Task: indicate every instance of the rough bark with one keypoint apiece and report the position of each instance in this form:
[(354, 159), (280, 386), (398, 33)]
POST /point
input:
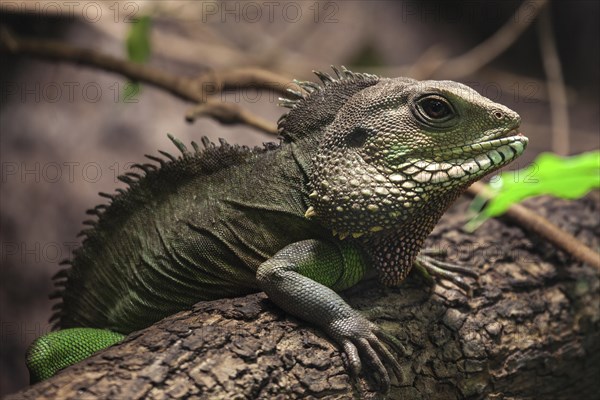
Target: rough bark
[(531, 329)]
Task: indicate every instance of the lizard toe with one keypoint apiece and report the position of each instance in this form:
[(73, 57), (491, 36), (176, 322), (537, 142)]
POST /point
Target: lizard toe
[(374, 359), (353, 357)]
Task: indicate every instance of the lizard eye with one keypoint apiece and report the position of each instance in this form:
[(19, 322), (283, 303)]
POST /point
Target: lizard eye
[(434, 109)]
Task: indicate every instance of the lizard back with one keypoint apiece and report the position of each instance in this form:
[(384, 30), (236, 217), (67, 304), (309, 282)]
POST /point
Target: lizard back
[(195, 228)]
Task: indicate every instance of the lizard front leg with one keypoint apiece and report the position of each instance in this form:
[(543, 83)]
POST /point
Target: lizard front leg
[(302, 279)]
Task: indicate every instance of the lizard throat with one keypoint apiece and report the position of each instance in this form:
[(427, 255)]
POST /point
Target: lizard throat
[(393, 252)]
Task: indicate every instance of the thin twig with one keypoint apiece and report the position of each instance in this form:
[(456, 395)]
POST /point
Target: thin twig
[(197, 89), (491, 48), (556, 86), (544, 228), (178, 86), (228, 114), (248, 78)]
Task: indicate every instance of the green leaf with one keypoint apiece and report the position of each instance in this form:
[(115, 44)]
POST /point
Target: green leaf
[(564, 177), (138, 51), (138, 40)]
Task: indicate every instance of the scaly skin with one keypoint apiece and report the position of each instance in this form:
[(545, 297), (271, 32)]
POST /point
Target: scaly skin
[(375, 161)]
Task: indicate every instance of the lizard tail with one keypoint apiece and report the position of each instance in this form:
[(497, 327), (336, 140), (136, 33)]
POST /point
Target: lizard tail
[(57, 350)]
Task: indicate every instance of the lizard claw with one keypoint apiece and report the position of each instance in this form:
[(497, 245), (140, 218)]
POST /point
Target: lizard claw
[(362, 340), (430, 266)]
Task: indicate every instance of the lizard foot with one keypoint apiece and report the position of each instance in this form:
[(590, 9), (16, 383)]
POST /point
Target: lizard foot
[(362, 340), (429, 266)]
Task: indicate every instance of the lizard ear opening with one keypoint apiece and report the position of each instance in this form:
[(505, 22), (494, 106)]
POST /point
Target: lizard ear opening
[(357, 137)]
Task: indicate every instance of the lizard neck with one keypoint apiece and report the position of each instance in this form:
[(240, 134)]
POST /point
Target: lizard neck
[(393, 251)]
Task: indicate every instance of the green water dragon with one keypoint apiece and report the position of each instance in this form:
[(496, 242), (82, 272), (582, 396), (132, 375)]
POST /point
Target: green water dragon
[(365, 168)]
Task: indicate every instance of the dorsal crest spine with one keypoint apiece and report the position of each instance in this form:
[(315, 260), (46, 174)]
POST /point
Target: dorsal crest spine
[(342, 74), (314, 107), (194, 163)]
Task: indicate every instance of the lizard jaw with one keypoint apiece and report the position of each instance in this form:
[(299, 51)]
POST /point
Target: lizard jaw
[(459, 165), (496, 154)]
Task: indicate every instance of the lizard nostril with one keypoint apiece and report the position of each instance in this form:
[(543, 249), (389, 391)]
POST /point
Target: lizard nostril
[(499, 114)]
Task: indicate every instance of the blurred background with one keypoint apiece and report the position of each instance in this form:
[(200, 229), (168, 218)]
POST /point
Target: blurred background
[(68, 129)]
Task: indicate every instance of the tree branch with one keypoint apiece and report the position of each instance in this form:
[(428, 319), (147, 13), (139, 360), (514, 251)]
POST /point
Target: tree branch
[(486, 51), (559, 110), (544, 228), (197, 89), (530, 330)]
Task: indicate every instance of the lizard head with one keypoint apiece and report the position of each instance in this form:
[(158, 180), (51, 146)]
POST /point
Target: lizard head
[(401, 148)]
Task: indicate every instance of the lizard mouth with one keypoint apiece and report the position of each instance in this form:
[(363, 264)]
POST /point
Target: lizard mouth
[(488, 155), (506, 134), (469, 162)]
